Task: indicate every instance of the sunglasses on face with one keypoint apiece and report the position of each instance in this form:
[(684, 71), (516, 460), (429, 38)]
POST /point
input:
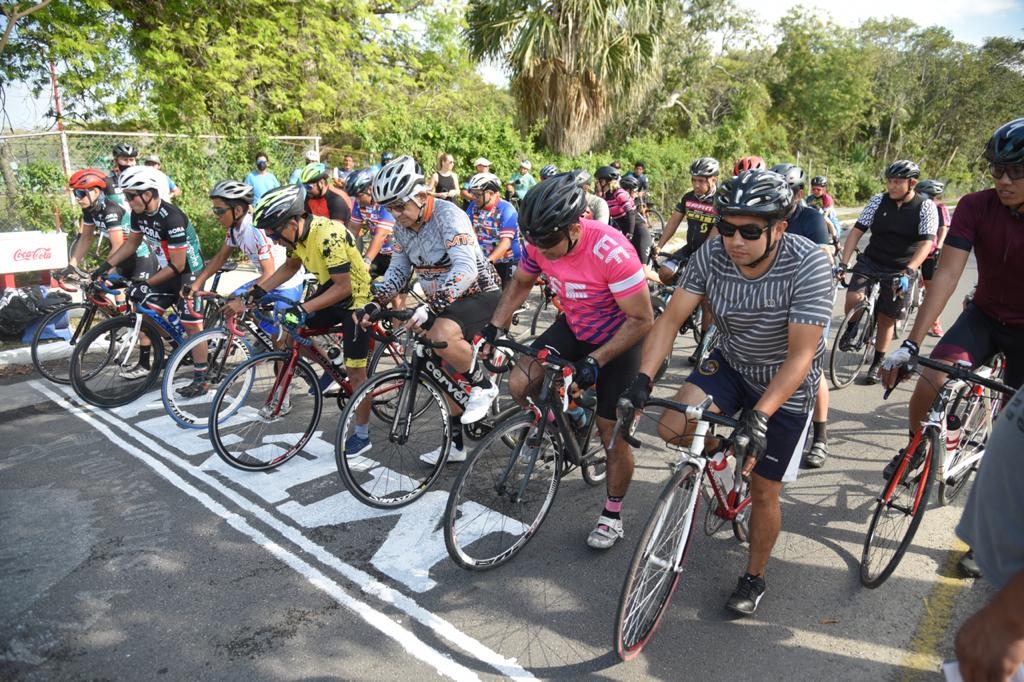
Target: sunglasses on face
[(396, 206), (131, 194), (1014, 170), (750, 231), (81, 193), (217, 211), (546, 241)]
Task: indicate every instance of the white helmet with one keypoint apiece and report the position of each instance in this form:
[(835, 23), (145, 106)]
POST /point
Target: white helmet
[(140, 178), (485, 181), (399, 180)]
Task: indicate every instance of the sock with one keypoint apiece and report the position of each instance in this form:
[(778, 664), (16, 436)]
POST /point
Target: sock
[(144, 352), (456, 426), (612, 507), (820, 433), (199, 372), (879, 356), (363, 430)]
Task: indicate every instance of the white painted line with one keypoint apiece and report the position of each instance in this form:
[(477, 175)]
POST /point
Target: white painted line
[(415, 646)]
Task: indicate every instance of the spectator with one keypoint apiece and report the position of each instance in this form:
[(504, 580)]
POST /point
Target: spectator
[(520, 182), (261, 180), (173, 191), (444, 183), (311, 156), (341, 173), (482, 165)]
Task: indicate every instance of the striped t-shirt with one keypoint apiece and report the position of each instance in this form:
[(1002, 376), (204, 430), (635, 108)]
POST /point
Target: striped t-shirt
[(753, 315)]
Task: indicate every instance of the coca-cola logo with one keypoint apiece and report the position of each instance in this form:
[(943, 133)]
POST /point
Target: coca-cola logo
[(42, 253)]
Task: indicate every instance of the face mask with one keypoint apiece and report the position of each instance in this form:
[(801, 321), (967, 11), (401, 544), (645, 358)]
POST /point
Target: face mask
[(261, 164)]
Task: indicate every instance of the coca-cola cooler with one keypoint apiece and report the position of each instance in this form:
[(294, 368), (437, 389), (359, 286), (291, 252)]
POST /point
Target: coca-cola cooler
[(31, 252)]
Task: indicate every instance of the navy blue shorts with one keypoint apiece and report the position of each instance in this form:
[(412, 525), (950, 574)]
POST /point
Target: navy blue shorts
[(787, 431)]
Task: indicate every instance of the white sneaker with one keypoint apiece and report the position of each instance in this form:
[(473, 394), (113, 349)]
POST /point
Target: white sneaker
[(480, 400), (132, 373), (606, 533), (267, 411), (454, 455)]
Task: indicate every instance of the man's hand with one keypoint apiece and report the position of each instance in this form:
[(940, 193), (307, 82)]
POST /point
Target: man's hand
[(294, 317), (138, 291), (422, 318), (990, 645), (101, 271), (639, 392), (752, 437), (233, 307), (585, 372), (254, 295), (367, 315), (898, 364)]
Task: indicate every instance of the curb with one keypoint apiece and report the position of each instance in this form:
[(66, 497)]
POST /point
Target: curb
[(15, 357)]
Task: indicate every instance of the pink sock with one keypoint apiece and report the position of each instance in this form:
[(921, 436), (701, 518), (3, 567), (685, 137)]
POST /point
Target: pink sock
[(613, 505)]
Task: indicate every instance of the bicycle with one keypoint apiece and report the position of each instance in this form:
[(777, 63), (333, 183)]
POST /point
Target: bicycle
[(657, 563), (655, 220), (855, 337), (915, 299), (507, 485), (409, 416), (904, 498), (548, 298)]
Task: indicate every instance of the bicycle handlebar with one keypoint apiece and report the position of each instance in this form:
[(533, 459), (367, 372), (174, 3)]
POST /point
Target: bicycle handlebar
[(627, 411), (965, 374)]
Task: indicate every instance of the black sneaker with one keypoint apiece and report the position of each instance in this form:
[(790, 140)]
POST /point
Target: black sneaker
[(849, 341), (874, 372), (968, 566), (894, 463), (747, 596), (815, 457)]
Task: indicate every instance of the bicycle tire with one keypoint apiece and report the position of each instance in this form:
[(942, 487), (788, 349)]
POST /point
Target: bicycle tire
[(52, 357), (104, 351), (972, 409), (653, 574), (224, 353), (382, 359), (487, 520), (655, 221), (706, 345), (884, 550), (844, 365), (594, 466), (545, 301), (391, 474), (912, 306), (252, 426)]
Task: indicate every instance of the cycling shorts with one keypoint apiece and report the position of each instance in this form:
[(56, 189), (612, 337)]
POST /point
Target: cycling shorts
[(890, 303), (976, 338), (505, 272), (471, 313), (929, 265), (612, 379), (138, 267), (787, 431), (170, 294), (355, 341)]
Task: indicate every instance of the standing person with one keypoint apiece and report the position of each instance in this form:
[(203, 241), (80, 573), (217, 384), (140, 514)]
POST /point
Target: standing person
[(903, 224), (323, 198), (697, 207), (933, 189), (261, 180), (311, 156), (769, 291), (520, 182), (496, 223), (173, 191), (341, 173), (444, 183)]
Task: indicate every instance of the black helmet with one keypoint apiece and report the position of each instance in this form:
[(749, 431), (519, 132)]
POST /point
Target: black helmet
[(386, 157), (755, 192), (358, 181), (705, 167), (902, 169), (819, 181), (607, 173), (933, 188), (278, 206), (629, 183), (1007, 144), (125, 149), (794, 175), (583, 176), (552, 206)]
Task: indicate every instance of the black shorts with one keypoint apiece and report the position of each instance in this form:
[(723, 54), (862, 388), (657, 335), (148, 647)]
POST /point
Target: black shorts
[(612, 379), (929, 265), (355, 341), (471, 313), (891, 301), (170, 294), (138, 267), (380, 264), (976, 338), (505, 272)]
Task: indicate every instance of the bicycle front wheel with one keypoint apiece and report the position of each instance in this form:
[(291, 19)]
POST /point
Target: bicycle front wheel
[(386, 471), (655, 569), (224, 352), (973, 410), (849, 349), (898, 514), (503, 493), (262, 415), (51, 351), (655, 221), (107, 365)]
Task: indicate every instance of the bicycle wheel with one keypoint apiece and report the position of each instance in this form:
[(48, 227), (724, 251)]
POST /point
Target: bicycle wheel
[(261, 416), (972, 409), (849, 355), (914, 297), (545, 301), (594, 466), (106, 365), (503, 493), (655, 221), (389, 473), (52, 356), (224, 353), (654, 571), (898, 514), (391, 354)]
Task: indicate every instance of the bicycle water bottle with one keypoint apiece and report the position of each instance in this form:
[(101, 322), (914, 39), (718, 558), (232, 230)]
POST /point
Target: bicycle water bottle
[(578, 416), (335, 355), (719, 464), (175, 322), (953, 426)]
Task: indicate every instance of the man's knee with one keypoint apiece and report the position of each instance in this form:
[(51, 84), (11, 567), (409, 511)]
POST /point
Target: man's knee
[(764, 490)]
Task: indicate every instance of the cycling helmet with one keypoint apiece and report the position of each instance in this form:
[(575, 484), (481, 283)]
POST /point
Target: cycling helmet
[(88, 178), (548, 170), (386, 158), (608, 173), (749, 163), (232, 192), (125, 149), (1007, 144), (398, 181), (756, 192), (819, 181), (933, 188), (525, 164), (358, 181), (582, 177), (704, 167), (629, 183), (552, 206), (279, 205), (313, 172), (902, 169), (141, 178), (484, 182), (794, 175)]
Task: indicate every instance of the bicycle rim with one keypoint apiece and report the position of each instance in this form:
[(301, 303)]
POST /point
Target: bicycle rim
[(973, 412), (388, 355), (224, 353), (502, 494), (843, 365), (594, 466), (389, 473), (655, 570), (258, 422), (105, 353), (52, 357), (897, 516)]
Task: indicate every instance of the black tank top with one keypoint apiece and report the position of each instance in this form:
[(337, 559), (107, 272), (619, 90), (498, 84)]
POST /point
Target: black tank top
[(445, 183)]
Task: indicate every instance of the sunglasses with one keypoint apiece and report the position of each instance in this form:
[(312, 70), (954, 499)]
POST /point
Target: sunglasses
[(217, 211), (546, 241), (81, 193), (750, 231), (1014, 170), (396, 206), (131, 194)]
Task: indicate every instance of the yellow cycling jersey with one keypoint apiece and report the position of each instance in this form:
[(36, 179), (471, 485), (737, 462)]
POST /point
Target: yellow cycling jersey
[(330, 249)]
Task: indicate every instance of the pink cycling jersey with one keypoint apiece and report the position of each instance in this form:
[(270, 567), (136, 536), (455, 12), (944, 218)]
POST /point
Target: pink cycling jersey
[(602, 267)]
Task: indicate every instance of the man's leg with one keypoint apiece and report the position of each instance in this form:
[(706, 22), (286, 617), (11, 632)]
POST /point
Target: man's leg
[(765, 522)]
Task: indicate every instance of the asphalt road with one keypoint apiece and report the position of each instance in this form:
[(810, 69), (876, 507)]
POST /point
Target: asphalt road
[(129, 551)]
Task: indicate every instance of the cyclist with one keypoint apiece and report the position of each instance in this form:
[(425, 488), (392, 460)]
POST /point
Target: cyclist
[(323, 198), (381, 224), (607, 306), (697, 207), (621, 209), (125, 156), (597, 207), (520, 182), (821, 200), (327, 250), (989, 223), (770, 292), (933, 189), (482, 165), (903, 224), (745, 163), (641, 237), (435, 238), (496, 223), (548, 171), (170, 234), (643, 182)]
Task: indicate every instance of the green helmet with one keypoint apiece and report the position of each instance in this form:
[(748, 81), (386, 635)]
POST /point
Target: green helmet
[(313, 172)]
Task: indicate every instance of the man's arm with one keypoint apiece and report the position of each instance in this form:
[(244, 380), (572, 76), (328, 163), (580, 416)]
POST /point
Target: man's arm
[(665, 329), (177, 257), (940, 289), (85, 237), (340, 289), (803, 344), (127, 248), (282, 274), (212, 266), (852, 239), (990, 645), (639, 320), (670, 228), (516, 291)]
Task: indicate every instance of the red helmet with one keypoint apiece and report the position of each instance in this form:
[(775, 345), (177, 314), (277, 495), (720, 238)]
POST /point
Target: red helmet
[(749, 163), (88, 178)]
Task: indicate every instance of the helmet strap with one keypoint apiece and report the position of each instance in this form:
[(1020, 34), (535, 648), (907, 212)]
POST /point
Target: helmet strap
[(767, 251)]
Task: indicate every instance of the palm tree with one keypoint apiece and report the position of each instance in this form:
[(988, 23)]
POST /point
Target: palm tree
[(572, 62)]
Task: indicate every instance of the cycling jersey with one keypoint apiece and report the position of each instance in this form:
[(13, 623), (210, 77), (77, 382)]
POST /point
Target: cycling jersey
[(445, 255), (257, 248), (377, 218), (601, 268), (168, 229), (700, 215), (494, 224), (822, 203), (943, 222), (806, 222), (896, 231), (621, 210), (106, 215), (334, 204), (330, 249)]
